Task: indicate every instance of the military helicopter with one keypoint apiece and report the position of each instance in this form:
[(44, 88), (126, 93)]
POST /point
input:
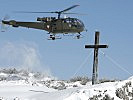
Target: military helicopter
[(52, 24)]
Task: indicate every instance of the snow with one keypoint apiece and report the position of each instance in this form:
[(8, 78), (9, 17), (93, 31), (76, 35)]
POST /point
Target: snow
[(21, 87), (23, 92), (3, 74), (130, 78)]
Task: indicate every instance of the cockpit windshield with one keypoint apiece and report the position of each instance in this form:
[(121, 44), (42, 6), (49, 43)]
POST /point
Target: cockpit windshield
[(74, 21), (79, 21)]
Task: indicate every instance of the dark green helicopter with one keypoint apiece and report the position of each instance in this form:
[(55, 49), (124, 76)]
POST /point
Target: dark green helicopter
[(52, 24)]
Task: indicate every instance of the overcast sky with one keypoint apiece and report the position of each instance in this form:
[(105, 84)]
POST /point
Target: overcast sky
[(66, 57)]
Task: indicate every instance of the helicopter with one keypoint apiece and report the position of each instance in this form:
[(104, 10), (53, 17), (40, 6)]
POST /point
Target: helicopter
[(52, 25)]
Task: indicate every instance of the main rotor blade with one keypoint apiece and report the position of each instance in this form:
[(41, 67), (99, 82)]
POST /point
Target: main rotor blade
[(58, 12), (69, 8), (75, 13), (33, 12)]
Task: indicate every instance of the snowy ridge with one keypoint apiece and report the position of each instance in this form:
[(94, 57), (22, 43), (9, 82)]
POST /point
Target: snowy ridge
[(26, 85), (23, 77)]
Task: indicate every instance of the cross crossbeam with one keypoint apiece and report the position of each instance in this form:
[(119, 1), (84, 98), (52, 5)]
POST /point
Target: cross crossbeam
[(96, 46)]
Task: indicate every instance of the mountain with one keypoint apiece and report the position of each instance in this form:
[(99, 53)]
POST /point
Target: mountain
[(28, 85)]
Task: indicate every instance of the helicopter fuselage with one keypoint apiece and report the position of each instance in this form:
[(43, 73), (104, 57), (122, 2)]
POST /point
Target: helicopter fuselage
[(52, 25), (63, 25)]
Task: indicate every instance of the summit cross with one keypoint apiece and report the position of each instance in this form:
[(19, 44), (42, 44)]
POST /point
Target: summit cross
[(96, 46)]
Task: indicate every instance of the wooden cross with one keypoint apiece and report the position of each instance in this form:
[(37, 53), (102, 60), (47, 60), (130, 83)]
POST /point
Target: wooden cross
[(96, 46)]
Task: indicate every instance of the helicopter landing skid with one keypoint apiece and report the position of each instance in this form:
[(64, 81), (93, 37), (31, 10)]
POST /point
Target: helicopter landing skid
[(53, 37), (68, 34), (79, 36)]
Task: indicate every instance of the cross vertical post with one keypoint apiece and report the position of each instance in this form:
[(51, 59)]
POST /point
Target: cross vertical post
[(96, 46), (95, 62)]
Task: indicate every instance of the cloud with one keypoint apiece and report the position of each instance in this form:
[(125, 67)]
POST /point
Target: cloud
[(21, 55)]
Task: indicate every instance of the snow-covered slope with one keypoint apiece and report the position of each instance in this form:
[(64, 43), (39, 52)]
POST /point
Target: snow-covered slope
[(122, 90), (24, 85)]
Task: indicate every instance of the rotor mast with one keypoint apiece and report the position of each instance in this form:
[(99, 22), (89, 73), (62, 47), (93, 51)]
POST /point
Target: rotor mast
[(65, 10)]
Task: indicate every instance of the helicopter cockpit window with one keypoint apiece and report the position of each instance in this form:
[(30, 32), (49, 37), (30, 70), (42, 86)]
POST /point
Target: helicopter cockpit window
[(71, 20), (80, 22), (74, 22), (67, 21)]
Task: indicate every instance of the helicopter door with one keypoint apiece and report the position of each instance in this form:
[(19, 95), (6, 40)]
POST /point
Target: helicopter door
[(66, 25), (57, 27)]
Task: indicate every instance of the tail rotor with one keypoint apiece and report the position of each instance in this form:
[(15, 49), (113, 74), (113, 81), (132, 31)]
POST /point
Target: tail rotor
[(4, 27)]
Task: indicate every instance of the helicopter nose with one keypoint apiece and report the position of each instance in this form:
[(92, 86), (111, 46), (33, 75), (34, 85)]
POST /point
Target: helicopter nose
[(82, 27)]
